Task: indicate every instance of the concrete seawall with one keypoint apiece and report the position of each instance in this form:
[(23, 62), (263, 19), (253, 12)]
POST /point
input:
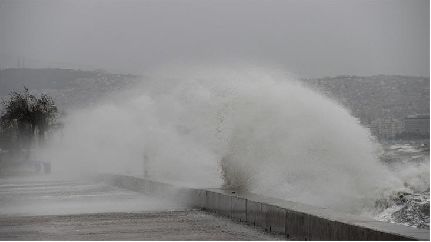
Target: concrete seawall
[(295, 220)]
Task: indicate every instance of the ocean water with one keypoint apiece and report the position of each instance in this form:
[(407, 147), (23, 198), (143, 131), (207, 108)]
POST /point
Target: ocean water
[(411, 207)]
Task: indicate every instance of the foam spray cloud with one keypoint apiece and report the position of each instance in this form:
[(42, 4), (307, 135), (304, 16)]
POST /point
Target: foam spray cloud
[(246, 128)]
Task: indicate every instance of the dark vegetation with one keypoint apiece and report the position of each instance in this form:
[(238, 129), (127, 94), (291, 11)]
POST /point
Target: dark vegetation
[(25, 119), (27, 114)]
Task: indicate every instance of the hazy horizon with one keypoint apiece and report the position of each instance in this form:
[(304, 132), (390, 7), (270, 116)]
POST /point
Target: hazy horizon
[(307, 38)]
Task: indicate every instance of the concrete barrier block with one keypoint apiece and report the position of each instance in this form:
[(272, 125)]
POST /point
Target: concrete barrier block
[(340, 231), (152, 187), (375, 235), (254, 214), (295, 226), (147, 187), (224, 204), (275, 218), (195, 198), (317, 228), (128, 183), (239, 208), (219, 203), (210, 201), (202, 196), (297, 221), (389, 231), (141, 186), (344, 231), (365, 234)]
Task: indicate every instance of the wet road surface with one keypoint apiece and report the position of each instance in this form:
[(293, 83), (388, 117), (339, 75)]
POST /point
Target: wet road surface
[(43, 208)]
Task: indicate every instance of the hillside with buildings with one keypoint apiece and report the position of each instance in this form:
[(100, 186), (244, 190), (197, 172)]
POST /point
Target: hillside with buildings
[(68, 87), (383, 103)]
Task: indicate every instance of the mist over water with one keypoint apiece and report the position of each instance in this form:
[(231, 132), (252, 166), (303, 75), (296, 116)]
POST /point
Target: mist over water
[(243, 127)]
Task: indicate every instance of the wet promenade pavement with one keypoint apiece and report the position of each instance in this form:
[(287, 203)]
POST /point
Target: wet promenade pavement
[(45, 208)]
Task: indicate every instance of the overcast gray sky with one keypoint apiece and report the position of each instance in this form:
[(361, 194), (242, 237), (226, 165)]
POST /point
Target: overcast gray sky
[(308, 37)]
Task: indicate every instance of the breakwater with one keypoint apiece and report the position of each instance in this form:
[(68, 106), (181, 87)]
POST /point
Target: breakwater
[(295, 220)]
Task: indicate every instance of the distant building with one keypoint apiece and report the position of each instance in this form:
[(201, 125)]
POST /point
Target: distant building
[(417, 124), (386, 128)]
